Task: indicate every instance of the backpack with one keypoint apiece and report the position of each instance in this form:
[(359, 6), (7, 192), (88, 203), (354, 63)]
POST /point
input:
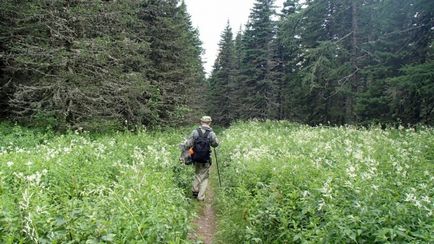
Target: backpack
[(186, 154), (201, 147)]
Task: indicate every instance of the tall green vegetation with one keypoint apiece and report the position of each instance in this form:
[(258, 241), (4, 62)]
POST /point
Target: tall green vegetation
[(81, 187), (336, 61), (292, 183), (80, 63)]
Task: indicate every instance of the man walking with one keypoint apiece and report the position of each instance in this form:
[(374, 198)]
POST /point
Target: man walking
[(200, 140)]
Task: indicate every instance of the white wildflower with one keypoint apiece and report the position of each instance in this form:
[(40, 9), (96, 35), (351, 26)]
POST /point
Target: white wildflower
[(326, 190), (357, 204), (28, 227), (321, 204), (429, 214), (35, 178), (426, 199), (417, 204), (358, 155), (410, 197), (351, 171), (10, 163)]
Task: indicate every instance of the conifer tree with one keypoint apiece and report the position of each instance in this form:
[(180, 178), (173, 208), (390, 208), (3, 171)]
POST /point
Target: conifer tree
[(237, 86), (284, 56), (194, 75), (96, 63), (258, 95), (222, 80), (399, 46), (76, 64), (175, 56)]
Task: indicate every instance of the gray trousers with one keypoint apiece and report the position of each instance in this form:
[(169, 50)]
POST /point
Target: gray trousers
[(201, 179)]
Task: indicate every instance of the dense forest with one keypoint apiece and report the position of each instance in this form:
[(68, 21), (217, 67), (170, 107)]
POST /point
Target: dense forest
[(92, 63), (338, 62), (98, 64)]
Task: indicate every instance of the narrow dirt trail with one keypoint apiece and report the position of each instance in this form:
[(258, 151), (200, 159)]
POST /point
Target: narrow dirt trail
[(205, 223)]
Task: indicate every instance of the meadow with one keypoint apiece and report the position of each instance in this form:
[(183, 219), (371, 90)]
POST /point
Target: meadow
[(86, 188), (290, 183), (281, 183)]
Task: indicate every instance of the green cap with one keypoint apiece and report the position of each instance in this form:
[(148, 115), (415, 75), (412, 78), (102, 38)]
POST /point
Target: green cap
[(206, 119)]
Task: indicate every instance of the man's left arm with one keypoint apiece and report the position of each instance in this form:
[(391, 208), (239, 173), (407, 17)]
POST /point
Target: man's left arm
[(214, 141)]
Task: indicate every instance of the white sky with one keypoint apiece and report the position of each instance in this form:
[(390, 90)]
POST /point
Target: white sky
[(211, 16)]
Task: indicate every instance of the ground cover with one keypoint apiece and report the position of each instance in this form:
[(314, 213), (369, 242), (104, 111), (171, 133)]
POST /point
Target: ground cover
[(80, 187), (289, 183), (281, 183)]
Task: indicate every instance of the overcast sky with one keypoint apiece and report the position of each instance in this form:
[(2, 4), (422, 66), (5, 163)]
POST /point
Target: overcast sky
[(211, 16)]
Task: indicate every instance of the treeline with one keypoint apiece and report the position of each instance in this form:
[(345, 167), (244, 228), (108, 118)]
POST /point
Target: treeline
[(96, 64), (328, 61)]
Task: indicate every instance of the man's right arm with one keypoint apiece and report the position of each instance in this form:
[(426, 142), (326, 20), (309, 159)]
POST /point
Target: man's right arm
[(190, 141)]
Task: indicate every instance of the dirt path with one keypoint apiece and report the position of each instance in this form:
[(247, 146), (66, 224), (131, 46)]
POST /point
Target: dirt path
[(205, 223)]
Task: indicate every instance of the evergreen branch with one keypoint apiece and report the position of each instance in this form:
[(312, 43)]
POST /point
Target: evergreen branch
[(342, 82), (393, 33)]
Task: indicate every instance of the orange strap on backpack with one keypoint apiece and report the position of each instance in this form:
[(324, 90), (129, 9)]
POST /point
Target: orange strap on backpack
[(190, 151)]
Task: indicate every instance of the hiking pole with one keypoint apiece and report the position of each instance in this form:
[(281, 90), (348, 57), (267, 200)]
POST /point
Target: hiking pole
[(217, 163)]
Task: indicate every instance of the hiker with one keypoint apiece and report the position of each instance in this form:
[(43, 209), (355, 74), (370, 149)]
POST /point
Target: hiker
[(200, 141)]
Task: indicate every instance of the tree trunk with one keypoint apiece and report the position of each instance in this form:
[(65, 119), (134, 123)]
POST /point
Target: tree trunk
[(349, 109)]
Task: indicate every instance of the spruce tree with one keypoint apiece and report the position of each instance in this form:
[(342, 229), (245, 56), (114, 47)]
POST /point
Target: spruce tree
[(284, 56), (92, 64), (237, 89), (193, 71), (175, 57), (222, 80), (77, 64), (258, 95), (399, 44)]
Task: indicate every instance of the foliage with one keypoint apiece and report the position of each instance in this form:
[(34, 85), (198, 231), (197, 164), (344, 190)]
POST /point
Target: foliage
[(297, 184), (222, 80), (243, 72), (78, 62), (82, 187), (338, 62)]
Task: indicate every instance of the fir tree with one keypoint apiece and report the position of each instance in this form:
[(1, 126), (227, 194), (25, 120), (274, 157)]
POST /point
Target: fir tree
[(258, 95), (175, 56), (222, 80), (194, 75)]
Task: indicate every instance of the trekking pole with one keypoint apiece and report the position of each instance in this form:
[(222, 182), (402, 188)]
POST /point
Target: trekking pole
[(217, 163)]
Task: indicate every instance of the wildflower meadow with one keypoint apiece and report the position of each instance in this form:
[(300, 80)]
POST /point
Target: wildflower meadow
[(83, 188), (281, 183), (289, 183)]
